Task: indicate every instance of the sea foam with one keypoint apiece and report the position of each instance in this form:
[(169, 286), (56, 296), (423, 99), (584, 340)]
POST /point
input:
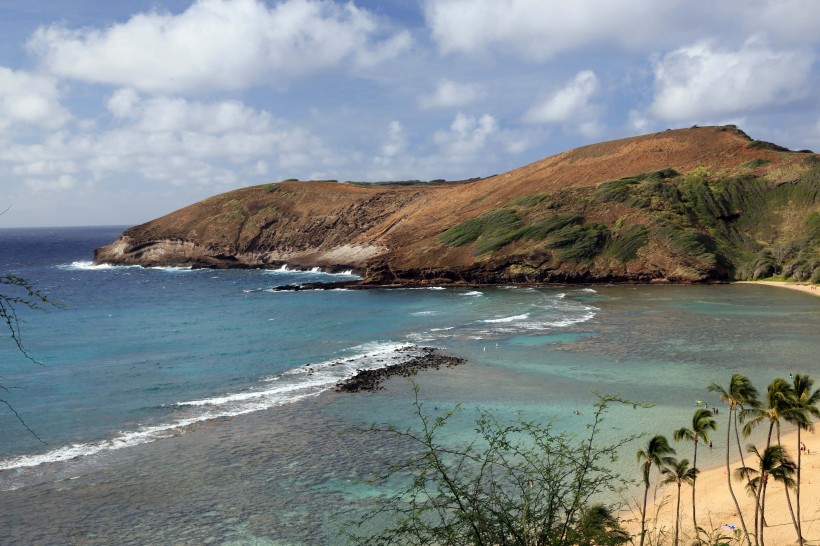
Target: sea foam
[(293, 385)]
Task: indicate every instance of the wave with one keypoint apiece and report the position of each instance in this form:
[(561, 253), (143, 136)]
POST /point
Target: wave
[(508, 319), (473, 293), (589, 290), (90, 266), (291, 386), (284, 268)]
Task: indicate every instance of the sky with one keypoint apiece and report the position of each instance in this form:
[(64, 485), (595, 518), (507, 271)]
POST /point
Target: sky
[(117, 112)]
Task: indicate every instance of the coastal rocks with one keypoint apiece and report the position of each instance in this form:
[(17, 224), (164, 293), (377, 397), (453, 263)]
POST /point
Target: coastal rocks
[(371, 380)]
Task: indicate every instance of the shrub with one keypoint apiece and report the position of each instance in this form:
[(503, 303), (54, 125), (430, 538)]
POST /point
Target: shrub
[(755, 163), (539, 231), (531, 200), (813, 227), (625, 246), (490, 231), (763, 145), (514, 483), (462, 234), (579, 242)]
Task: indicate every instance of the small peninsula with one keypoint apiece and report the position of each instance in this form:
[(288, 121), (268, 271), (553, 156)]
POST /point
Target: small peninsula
[(704, 204)]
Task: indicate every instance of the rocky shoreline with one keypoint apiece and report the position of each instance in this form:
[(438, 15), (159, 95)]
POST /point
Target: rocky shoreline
[(371, 380)]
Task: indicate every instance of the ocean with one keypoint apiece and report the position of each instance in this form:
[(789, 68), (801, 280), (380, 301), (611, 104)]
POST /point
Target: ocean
[(180, 406)]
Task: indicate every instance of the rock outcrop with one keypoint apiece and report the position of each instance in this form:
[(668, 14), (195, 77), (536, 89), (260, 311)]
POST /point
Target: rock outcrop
[(691, 205)]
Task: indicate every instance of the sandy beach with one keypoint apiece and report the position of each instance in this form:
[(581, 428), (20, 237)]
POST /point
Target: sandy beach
[(715, 507), (812, 289)]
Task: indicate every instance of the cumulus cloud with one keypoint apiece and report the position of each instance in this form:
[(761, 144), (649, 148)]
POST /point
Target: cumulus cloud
[(702, 81), (450, 94), (467, 135), (29, 99), (570, 102), (539, 29), (168, 140), (220, 45)]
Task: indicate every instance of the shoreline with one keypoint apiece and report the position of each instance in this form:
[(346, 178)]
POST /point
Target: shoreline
[(716, 509), (808, 288)]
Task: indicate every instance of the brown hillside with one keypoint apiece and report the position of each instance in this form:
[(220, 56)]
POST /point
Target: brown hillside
[(391, 233)]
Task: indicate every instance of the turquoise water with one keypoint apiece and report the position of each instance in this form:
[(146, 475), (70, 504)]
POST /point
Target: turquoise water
[(183, 406)]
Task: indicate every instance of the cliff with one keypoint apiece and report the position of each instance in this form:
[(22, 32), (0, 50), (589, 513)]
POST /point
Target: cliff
[(689, 205)]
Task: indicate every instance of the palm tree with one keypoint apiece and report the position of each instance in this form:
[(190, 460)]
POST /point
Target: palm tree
[(780, 406), (741, 393), (702, 423), (772, 463), (678, 472), (807, 401), (658, 452)]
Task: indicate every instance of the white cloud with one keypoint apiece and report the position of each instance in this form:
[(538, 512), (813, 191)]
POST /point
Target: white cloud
[(122, 103), (701, 80), (539, 29), (570, 102), (62, 182), (786, 21), (396, 140), (467, 135), (220, 44), (29, 99), (167, 140), (450, 94)]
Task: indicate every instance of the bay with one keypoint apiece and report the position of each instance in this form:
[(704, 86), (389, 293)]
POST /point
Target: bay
[(186, 406)]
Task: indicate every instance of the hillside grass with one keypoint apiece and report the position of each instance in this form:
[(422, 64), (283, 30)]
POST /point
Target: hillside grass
[(743, 227)]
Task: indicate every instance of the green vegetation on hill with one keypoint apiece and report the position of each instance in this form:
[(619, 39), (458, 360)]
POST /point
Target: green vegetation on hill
[(742, 227)]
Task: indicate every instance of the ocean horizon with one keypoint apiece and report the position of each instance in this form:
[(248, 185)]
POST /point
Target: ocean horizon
[(197, 405)]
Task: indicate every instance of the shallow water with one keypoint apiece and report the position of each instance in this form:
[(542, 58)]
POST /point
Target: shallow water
[(137, 350)]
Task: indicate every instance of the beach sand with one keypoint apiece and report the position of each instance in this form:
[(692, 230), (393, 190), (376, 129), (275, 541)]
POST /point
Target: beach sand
[(812, 289), (716, 508)]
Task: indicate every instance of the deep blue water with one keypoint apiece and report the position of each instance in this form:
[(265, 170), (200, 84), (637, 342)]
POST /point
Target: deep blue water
[(138, 364), (130, 351)]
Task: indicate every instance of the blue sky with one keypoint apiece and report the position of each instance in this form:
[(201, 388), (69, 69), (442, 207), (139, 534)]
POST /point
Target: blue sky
[(116, 112)]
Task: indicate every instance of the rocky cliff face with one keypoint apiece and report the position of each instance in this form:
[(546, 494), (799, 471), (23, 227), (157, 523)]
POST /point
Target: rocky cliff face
[(688, 205)]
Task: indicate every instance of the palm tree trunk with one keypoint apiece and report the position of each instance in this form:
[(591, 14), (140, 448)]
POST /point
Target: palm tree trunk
[(762, 495), (729, 477), (789, 497), (694, 479), (799, 523), (743, 463), (677, 517), (643, 514)]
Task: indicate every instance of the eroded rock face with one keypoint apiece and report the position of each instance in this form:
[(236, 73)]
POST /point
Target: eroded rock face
[(499, 227)]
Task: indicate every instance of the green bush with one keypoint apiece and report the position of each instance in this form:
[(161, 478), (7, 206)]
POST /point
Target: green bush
[(531, 200), (579, 242), (755, 163), (763, 145), (490, 231), (514, 483), (615, 191), (812, 160), (542, 229), (690, 242), (625, 246), (813, 227)]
